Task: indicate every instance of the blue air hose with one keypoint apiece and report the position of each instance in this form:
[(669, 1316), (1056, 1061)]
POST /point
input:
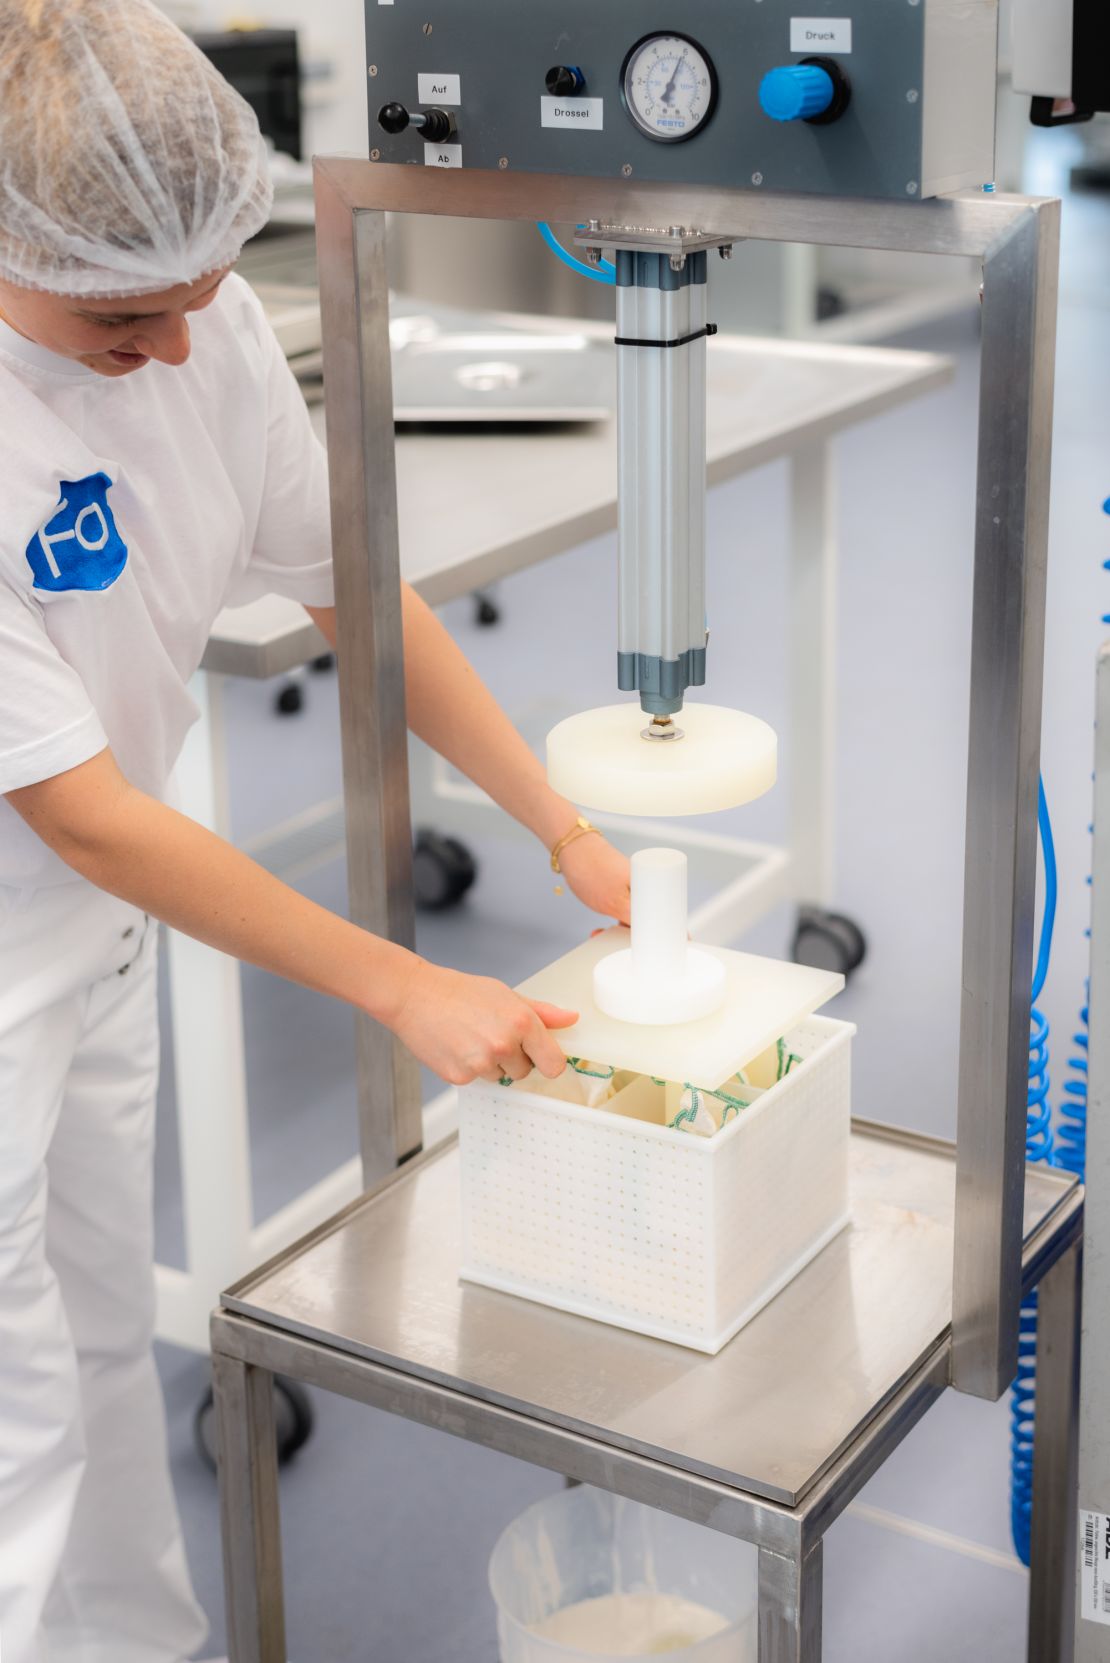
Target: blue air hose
[(1038, 1147), (1069, 1153), (1071, 1139), (603, 273)]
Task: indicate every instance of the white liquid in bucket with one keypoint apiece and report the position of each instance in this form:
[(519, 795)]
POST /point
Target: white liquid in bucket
[(631, 1625)]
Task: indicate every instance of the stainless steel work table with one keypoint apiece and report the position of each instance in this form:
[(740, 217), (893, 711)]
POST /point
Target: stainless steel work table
[(475, 506), (768, 1441)]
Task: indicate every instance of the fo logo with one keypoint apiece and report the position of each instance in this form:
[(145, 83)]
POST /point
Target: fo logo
[(79, 546)]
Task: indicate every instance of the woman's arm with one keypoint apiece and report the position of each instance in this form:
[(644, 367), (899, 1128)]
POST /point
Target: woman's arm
[(135, 847), (451, 709)]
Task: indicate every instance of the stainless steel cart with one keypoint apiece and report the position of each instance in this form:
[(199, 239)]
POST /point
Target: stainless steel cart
[(923, 1292)]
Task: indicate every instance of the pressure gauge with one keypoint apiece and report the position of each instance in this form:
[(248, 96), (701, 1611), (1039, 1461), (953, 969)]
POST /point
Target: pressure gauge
[(669, 87)]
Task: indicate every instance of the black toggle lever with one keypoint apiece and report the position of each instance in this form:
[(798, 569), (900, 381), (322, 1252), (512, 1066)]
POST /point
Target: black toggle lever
[(435, 125)]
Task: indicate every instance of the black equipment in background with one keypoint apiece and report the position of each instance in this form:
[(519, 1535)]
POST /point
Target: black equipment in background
[(263, 66)]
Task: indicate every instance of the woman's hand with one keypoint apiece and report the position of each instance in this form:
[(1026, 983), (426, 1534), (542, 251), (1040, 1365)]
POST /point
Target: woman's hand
[(599, 875), (472, 1027)]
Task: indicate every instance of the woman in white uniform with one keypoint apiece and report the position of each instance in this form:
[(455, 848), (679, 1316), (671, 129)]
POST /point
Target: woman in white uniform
[(158, 464)]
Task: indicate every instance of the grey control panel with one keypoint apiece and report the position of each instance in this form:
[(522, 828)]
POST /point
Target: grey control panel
[(851, 98)]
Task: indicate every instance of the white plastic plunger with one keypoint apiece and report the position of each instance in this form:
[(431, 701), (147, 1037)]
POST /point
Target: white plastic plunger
[(600, 759), (661, 977)]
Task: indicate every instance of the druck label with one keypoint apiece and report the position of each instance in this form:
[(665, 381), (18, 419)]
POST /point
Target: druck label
[(814, 35)]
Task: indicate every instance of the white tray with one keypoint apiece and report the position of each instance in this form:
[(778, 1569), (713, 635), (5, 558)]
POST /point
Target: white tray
[(764, 999)]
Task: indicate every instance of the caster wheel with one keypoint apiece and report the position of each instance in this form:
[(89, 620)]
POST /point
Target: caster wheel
[(293, 1421), (828, 941), (320, 666), (830, 304), (290, 700), (443, 869), (486, 612)]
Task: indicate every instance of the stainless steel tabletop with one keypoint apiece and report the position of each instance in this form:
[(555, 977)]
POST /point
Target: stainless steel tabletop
[(768, 1415), (476, 506)]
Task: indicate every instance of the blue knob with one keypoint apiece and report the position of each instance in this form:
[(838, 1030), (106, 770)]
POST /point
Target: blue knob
[(796, 92)]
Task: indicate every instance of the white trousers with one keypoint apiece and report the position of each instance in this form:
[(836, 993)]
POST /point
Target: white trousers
[(92, 1565)]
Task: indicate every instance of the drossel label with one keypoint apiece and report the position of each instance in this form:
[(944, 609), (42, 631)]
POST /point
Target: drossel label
[(814, 35), (573, 112)]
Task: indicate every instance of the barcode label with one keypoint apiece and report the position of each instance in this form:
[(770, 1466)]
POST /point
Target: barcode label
[(1094, 1548)]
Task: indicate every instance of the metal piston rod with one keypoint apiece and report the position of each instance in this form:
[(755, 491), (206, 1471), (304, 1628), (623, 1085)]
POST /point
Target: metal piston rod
[(661, 334)]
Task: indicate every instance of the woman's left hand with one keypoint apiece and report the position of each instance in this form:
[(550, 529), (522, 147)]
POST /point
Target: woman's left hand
[(599, 875)]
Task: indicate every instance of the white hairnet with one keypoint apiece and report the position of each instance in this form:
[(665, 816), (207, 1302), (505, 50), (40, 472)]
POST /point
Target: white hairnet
[(127, 163)]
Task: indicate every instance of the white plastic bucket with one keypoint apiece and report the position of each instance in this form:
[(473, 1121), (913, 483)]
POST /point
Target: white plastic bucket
[(585, 1545)]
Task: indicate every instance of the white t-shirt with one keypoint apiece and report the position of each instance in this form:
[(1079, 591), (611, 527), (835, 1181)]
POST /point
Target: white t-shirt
[(131, 511)]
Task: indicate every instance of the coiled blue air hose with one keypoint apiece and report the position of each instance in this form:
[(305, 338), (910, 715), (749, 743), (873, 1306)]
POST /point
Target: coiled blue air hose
[(606, 272), (1038, 1147), (1069, 1152), (1071, 1137)]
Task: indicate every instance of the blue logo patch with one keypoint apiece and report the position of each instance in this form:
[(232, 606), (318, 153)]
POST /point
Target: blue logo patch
[(79, 545)]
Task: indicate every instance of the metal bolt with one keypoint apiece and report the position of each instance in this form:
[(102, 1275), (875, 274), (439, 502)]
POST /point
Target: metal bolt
[(428, 28), (593, 225), (502, 161), (662, 727), (911, 96), (674, 230), (627, 170), (593, 255), (757, 178), (911, 188), (677, 262), (725, 251), (373, 70), (375, 155)]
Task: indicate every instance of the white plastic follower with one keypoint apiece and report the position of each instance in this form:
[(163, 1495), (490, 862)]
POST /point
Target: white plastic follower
[(661, 978)]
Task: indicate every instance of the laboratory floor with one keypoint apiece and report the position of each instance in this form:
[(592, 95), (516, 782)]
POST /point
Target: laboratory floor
[(387, 1526)]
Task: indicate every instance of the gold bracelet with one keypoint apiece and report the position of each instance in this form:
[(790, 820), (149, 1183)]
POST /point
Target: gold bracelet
[(579, 829)]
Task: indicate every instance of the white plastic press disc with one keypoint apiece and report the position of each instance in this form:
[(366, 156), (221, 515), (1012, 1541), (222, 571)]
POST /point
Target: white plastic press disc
[(600, 759)]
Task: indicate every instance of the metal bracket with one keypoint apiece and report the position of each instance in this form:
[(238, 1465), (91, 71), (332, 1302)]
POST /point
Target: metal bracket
[(677, 241)]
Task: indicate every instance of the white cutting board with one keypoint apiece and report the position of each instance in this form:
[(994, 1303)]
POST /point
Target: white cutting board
[(764, 999)]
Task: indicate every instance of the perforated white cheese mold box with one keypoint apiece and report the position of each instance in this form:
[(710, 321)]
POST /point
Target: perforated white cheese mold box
[(615, 1216)]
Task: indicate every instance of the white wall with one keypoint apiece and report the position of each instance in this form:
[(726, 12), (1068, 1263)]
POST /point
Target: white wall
[(332, 57)]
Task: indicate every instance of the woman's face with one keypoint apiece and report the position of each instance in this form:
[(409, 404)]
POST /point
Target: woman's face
[(112, 337)]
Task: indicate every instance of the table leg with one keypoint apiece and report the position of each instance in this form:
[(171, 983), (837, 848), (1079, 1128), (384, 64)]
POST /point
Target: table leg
[(249, 1511), (209, 1067), (1055, 1465), (790, 1607), (812, 671)]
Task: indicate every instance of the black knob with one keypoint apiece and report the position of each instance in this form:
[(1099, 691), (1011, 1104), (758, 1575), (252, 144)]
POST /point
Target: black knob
[(435, 125), (394, 118), (564, 80)]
